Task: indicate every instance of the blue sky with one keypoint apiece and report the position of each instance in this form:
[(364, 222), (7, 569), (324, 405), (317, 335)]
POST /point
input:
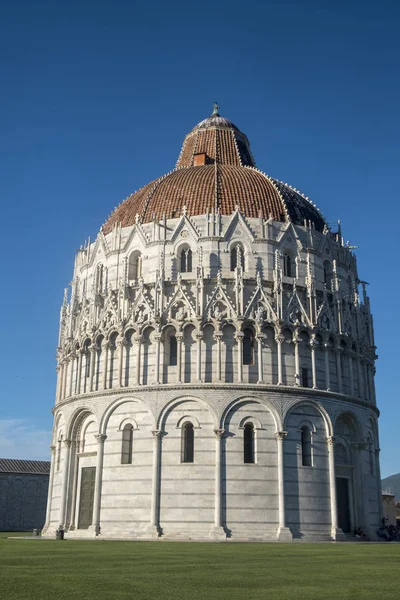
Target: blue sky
[(96, 99)]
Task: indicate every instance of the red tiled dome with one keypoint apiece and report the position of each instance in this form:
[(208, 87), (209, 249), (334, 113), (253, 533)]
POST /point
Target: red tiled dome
[(215, 172)]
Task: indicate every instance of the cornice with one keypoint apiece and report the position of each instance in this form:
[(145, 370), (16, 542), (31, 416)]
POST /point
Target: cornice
[(277, 389)]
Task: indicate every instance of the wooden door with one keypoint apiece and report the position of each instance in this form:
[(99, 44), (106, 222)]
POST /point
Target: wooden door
[(88, 477)]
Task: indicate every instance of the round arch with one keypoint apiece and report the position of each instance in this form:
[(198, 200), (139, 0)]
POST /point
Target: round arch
[(317, 406), (111, 408), (249, 398), (353, 418), (180, 400), (76, 420)]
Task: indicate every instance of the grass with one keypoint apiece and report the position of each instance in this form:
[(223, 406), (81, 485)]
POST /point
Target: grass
[(94, 570)]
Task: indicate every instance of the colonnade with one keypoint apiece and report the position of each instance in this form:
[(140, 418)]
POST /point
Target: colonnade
[(103, 365)]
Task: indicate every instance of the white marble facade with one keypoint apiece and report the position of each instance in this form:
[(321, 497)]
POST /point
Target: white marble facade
[(249, 331)]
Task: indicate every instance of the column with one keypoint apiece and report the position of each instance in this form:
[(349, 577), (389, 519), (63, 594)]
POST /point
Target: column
[(64, 485), (327, 367), (279, 340), (283, 531), (62, 391), (74, 474), (339, 370), (155, 490), (138, 341), (157, 339), (104, 355), (93, 356), (366, 387), (199, 337), (101, 438), (335, 532), (120, 345), (50, 491), (60, 378), (378, 482), (71, 375), (313, 366), (218, 338), (296, 341), (63, 380), (79, 373), (239, 338), (260, 358), (218, 481), (360, 378), (179, 357), (350, 355), (373, 391)]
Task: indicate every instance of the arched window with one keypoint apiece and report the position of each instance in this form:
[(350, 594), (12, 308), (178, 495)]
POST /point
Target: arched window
[(186, 260), (306, 458), (188, 443), (135, 266), (173, 351), (248, 347), (327, 274), (288, 265), (127, 444), (305, 382), (237, 257), (248, 443)]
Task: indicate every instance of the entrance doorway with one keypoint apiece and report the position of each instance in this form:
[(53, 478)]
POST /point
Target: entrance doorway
[(88, 477), (343, 505)]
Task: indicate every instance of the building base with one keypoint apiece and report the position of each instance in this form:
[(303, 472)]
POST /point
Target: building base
[(284, 534), (218, 534)]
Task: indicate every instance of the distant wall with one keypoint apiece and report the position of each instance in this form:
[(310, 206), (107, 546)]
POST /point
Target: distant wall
[(389, 509), (23, 501)]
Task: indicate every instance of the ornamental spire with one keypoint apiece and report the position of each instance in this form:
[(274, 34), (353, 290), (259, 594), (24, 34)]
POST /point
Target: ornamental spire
[(215, 112)]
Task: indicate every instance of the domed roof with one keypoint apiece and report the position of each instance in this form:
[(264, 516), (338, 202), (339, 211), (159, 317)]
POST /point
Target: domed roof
[(215, 121), (215, 172)]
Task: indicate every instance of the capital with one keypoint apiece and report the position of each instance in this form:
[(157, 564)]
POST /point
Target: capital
[(219, 433), (157, 433), (280, 435), (67, 443), (53, 449), (331, 440), (101, 438)]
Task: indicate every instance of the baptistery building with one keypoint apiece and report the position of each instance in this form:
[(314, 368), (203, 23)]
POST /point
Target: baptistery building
[(215, 364)]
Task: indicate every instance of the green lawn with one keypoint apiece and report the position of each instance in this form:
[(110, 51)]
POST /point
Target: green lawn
[(86, 570)]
